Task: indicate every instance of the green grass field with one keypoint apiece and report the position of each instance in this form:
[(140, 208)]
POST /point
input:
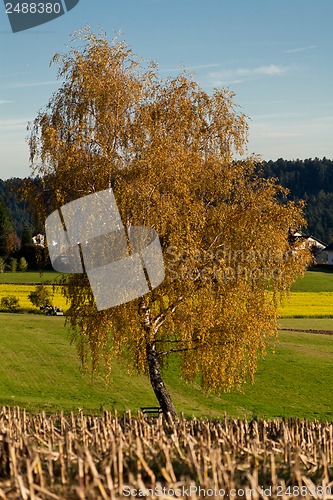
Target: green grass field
[(40, 370), (315, 280), (29, 277)]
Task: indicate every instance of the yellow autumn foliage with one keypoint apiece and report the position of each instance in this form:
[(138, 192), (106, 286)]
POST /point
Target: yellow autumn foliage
[(175, 157)]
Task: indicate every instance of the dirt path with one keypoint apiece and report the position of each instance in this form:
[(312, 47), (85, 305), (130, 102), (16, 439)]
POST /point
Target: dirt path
[(323, 332)]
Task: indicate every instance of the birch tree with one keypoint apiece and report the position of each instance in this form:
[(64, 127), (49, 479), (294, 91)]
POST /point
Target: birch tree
[(172, 155)]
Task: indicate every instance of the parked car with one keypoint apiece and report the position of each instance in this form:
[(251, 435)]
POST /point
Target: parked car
[(52, 310)]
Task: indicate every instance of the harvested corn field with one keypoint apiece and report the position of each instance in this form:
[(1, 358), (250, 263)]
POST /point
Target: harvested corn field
[(83, 457)]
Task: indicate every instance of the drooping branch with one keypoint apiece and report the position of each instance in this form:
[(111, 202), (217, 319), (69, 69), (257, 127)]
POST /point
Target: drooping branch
[(192, 348), (169, 341)]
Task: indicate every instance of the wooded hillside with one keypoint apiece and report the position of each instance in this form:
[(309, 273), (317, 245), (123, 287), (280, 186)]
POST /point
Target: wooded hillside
[(310, 180)]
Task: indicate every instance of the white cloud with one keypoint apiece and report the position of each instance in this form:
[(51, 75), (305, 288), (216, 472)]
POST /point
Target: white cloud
[(299, 49), (181, 67), (14, 124), (235, 75), (202, 66), (270, 70), (275, 116), (5, 102), (289, 127), (324, 119), (34, 84), (281, 133)]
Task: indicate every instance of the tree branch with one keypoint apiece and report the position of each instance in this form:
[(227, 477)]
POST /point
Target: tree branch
[(161, 318), (176, 340), (193, 348)]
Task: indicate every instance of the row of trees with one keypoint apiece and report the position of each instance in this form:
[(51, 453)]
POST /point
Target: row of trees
[(302, 176), (13, 265), (22, 217), (17, 251)]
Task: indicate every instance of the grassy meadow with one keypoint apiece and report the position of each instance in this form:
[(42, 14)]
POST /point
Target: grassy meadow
[(40, 370), (317, 279), (293, 380), (29, 277)]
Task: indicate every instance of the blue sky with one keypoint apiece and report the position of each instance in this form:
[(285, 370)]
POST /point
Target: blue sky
[(275, 55)]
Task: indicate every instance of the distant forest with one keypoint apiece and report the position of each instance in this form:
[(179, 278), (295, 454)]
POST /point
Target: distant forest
[(20, 214), (310, 180)]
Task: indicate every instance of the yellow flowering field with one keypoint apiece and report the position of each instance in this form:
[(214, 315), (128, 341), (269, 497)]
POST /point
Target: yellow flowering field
[(22, 291), (307, 304), (298, 304)]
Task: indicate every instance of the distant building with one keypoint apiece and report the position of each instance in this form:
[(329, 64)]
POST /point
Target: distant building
[(39, 240), (312, 240), (318, 248)]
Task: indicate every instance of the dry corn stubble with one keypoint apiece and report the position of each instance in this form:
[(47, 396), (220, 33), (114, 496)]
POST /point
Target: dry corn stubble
[(85, 457)]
